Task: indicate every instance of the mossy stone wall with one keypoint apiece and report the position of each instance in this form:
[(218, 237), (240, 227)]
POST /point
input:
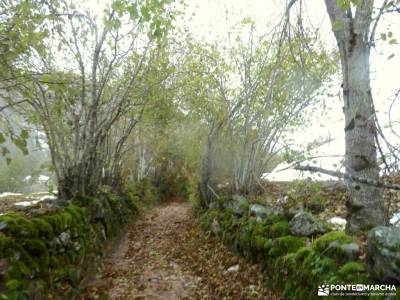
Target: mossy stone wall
[(296, 265), (49, 256)]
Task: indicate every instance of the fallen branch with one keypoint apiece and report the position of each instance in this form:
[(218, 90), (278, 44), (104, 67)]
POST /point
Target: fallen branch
[(377, 183)]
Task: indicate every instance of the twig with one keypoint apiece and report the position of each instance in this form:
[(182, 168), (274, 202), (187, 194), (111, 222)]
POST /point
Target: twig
[(308, 158)]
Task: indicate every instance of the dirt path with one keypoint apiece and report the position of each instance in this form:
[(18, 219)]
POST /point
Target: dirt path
[(164, 255)]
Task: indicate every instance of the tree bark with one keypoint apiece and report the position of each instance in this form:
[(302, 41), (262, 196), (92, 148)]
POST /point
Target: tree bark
[(365, 204)]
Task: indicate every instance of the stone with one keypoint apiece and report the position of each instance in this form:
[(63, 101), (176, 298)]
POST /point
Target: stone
[(338, 223), (305, 224), (288, 208), (3, 225), (238, 205), (395, 219), (215, 228), (252, 289), (291, 211), (64, 238), (233, 269), (77, 246), (384, 254), (283, 200), (221, 186), (260, 212), (350, 250)]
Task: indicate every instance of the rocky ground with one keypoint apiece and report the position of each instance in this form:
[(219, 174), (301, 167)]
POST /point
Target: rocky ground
[(165, 255)]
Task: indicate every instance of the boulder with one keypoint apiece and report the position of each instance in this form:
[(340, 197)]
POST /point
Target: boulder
[(238, 205), (305, 224), (395, 219), (338, 223), (384, 253), (3, 225), (350, 251), (260, 212), (290, 212)]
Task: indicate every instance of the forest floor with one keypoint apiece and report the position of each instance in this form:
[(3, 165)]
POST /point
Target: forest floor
[(165, 255)]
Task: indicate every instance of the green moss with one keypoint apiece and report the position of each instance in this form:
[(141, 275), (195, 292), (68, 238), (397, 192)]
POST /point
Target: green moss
[(273, 218), (226, 220), (38, 262), (261, 229), (44, 228), (296, 269), (279, 229), (325, 240), (317, 267), (82, 201), (262, 242), (78, 213), (60, 221), (245, 237), (286, 244), (353, 272), (302, 254), (37, 251), (19, 226), (5, 244), (67, 273), (23, 267), (134, 200)]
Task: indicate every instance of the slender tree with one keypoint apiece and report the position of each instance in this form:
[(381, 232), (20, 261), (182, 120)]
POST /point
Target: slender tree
[(351, 27)]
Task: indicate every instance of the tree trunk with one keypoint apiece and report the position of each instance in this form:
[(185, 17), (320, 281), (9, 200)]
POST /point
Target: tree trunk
[(365, 204)]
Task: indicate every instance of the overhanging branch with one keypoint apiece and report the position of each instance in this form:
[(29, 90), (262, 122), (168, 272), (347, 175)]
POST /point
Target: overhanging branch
[(377, 183)]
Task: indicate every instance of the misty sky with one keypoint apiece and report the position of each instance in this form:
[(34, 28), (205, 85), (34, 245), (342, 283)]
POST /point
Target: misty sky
[(210, 20)]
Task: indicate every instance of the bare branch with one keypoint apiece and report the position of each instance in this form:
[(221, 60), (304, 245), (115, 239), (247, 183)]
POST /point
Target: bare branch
[(367, 181)]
